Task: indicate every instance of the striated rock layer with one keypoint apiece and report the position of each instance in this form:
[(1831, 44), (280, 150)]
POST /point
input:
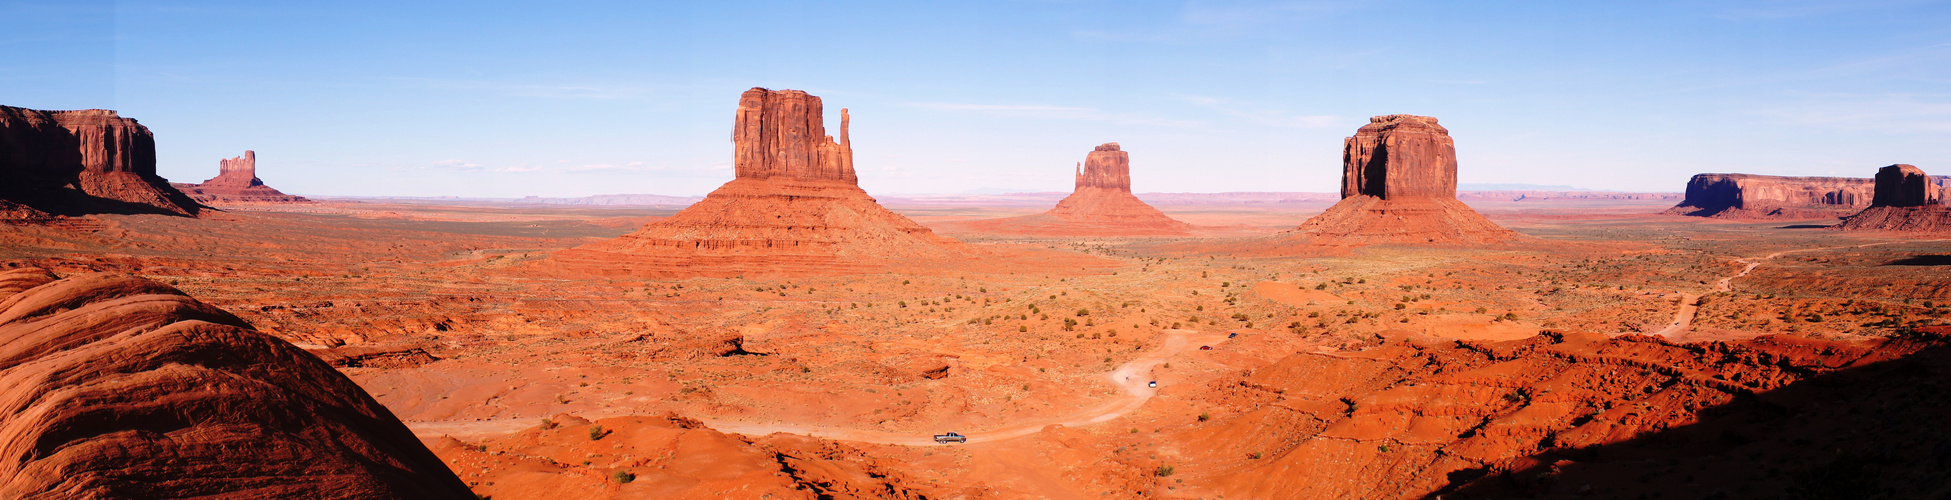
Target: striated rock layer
[(119, 387), (1398, 185), (795, 207), (81, 162), (1101, 205), (1746, 196), (1906, 200), (237, 182)]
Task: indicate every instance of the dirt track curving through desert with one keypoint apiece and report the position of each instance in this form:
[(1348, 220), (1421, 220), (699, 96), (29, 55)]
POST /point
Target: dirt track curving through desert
[(1690, 302), (1132, 378)]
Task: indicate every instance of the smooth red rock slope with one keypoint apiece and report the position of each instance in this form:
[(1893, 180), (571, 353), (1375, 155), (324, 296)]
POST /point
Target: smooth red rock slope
[(795, 208), (1101, 205), (1398, 185), (237, 182), (118, 387)]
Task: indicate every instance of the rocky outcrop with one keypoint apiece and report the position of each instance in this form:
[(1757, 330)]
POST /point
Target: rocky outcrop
[(118, 387), (236, 182), (1398, 185), (1100, 205), (794, 208), (1906, 200), (82, 162), (1747, 196)]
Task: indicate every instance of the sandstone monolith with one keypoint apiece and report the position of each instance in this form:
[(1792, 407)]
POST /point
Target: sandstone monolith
[(237, 183), (1398, 185), (1101, 204), (794, 207), (1906, 200)]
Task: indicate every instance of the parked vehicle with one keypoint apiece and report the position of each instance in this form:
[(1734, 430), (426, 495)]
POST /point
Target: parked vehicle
[(950, 438), (1205, 348), (1231, 335), (1153, 384)]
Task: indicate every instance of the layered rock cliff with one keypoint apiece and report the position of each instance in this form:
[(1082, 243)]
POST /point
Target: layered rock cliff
[(1398, 185), (794, 208), (1100, 205), (118, 387), (1906, 200), (82, 162), (1747, 196), (237, 182)]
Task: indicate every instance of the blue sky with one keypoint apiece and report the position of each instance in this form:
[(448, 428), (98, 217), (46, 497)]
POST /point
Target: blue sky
[(482, 99)]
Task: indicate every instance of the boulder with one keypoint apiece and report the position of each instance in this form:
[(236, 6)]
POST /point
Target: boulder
[(113, 386)]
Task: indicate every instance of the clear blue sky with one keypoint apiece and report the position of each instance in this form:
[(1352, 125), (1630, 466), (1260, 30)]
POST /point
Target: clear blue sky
[(483, 99)]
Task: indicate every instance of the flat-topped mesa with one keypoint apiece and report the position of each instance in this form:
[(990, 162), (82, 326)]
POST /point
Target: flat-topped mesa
[(1106, 167), (1101, 205), (794, 208), (1748, 196), (1903, 185), (1399, 156), (81, 162), (1907, 200), (237, 183), (782, 133), (1398, 185)]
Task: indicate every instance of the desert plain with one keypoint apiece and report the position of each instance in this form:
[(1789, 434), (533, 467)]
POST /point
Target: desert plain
[(1612, 351)]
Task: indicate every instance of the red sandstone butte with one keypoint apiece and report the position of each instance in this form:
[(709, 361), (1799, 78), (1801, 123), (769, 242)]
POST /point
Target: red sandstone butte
[(1101, 205), (1747, 196), (113, 386), (1906, 200), (81, 162), (794, 208), (237, 182), (1398, 185)]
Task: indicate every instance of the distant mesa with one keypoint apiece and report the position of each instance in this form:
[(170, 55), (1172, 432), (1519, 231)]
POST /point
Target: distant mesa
[(1906, 200), (113, 386), (1398, 185), (91, 161), (794, 208), (1101, 205), (237, 183), (1748, 196)]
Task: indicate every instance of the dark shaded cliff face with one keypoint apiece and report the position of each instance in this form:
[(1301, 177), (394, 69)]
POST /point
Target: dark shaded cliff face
[(82, 162), (119, 387), (1749, 196), (783, 134), (1904, 186), (1399, 156)]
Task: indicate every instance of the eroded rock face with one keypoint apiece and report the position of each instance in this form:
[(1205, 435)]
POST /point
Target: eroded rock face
[(118, 387), (795, 208), (1906, 200), (1101, 205), (1399, 156), (81, 162), (1903, 186), (237, 182), (1746, 196), (1398, 185)]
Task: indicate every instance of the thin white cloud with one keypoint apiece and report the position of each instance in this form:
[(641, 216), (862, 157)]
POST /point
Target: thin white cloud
[(1895, 113), (1265, 116), (1756, 10), (1060, 113)]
